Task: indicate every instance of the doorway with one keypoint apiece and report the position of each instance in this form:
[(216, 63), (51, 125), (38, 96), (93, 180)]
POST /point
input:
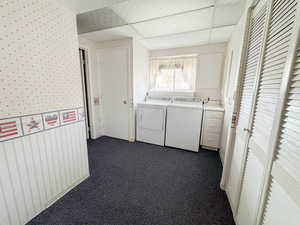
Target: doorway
[(83, 55)]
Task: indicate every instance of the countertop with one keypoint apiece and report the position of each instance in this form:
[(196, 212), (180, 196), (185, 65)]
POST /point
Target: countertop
[(212, 107)]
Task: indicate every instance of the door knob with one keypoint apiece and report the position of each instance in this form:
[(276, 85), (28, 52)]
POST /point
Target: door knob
[(247, 130), (124, 102)]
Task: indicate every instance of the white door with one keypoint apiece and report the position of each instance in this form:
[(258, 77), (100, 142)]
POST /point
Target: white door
[(255, 39), (276, 54), (113, 64)]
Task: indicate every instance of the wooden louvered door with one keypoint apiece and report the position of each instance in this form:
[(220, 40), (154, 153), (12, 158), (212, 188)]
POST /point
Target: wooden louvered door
[(256, 33), (280, 203), (275, 57)]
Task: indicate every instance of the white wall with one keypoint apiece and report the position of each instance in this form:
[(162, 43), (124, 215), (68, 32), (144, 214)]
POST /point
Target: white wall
[(40, 73), (233, 59), (140, 71), (210, 67)]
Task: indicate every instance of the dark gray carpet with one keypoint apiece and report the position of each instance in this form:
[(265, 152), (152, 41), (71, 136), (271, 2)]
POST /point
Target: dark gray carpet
[(143, 184)]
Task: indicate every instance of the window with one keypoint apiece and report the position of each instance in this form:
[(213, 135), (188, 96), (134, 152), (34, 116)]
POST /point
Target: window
[(173, 74)]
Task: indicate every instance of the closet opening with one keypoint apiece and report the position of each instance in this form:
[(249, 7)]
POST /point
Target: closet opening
[(83, 55)]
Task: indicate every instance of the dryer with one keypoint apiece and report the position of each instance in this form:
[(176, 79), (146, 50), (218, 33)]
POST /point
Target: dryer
[(150, 122)]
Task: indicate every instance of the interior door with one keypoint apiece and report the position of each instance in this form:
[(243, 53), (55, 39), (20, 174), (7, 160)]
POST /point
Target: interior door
[(113, 64), (281, 203), (275, 57), (247, 95)]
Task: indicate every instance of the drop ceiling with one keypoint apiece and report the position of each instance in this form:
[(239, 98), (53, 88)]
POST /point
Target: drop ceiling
[(158, 24), (81, 6)]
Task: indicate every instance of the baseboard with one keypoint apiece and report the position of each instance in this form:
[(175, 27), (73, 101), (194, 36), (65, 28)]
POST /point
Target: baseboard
[(98, 136), (132, 139), (230, 203), (209, 148), (60, 195), (221, 157)]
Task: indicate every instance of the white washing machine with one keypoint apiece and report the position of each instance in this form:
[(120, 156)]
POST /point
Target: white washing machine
[(183, 126)]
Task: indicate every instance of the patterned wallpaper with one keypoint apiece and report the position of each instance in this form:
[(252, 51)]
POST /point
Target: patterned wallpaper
[(39, 62)]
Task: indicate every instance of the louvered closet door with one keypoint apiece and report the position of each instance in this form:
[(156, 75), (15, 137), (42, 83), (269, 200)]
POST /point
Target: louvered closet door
[(277, 44), (283, 205), (255, 39)]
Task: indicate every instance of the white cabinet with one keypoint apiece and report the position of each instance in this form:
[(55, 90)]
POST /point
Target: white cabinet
[(150, 120), (212, 128), (183, 127)]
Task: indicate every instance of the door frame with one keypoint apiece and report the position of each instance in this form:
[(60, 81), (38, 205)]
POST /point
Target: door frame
[(86, 86), (236, 105)]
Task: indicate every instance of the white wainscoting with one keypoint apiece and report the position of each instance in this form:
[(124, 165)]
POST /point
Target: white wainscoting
[(38, 169)]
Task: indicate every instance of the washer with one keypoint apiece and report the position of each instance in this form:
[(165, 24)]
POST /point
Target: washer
[(183, 126)]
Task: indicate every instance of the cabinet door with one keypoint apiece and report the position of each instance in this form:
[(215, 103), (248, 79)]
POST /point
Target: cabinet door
[(212, 126)]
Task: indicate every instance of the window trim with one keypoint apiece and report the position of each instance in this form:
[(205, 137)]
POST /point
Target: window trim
[(153, 92)]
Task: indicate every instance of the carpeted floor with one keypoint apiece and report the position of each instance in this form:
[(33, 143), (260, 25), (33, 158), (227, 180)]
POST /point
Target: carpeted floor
[(143, 184)]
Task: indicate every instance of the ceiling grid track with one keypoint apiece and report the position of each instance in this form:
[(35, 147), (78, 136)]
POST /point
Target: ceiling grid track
[(162, 24)]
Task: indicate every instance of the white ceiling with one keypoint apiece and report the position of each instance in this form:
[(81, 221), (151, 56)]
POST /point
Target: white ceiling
[(221, 34), (138, 10), (227, 14), (167, 23), (81, 6), (177, 40), (195, 20)]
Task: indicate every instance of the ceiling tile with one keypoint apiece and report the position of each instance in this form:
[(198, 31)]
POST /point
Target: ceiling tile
[(221, 34), (179, 40), (192, 21), (98, 19), (228, 14), (226, 2), (80, 6), (138, 10), (116, 33)]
